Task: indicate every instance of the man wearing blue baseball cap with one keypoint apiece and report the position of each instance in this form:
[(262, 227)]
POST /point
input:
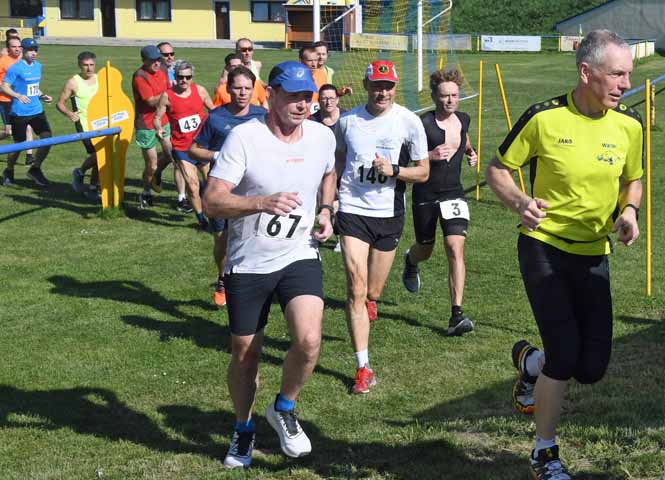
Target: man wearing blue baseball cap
[(265, 182), (21, 83)]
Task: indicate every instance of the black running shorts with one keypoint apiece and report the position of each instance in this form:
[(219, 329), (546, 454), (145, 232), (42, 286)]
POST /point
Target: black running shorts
[(380, 233), (571, 301), (425, 217), (39, 124), (249, 295)]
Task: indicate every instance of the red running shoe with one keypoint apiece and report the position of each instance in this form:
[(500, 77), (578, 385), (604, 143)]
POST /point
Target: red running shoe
[(372, 312), (364, 379)]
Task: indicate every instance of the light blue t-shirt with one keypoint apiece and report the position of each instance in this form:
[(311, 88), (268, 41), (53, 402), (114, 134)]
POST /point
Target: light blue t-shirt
[(24, 79)]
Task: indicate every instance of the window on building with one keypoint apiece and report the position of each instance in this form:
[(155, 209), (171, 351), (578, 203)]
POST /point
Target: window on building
[(268, 12), (153, 10), (79, 9), (25, 8)]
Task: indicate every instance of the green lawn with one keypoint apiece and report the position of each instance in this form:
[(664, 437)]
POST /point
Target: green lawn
[(114, 361)]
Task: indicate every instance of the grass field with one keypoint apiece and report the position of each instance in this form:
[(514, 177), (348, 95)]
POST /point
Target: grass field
[(114, 361)]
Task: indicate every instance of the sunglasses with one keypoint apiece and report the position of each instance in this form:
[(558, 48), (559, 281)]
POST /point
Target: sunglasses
[(31, 49), (247, 49), (183, 77), (168, 54)]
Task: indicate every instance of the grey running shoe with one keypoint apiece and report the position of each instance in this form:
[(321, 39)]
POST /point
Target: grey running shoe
[(410, 275), (459, 325), (240, 450)]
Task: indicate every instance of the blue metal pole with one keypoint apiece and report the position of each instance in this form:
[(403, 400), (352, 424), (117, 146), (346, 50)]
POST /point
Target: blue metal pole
[(641, 87), (47, 142)]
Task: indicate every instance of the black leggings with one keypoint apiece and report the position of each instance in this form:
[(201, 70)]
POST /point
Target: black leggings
[(571, 301)]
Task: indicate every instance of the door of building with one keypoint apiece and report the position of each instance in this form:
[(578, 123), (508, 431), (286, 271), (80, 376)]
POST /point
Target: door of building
[(108, 18), (222, 20)]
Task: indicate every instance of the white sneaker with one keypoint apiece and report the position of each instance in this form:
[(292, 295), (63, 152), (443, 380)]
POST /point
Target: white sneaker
[(338, 247), (292, 438), (240, 450)]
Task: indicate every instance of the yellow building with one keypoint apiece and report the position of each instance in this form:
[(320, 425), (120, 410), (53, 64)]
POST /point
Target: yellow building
[(260, 20)]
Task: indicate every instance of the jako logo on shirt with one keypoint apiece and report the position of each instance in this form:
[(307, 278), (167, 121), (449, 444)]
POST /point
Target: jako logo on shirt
[(565, 141)]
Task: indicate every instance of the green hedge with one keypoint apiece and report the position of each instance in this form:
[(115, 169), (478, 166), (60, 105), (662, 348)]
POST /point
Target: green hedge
[(519, 17)]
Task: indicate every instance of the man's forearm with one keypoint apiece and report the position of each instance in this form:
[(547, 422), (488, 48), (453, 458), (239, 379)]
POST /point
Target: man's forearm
[(416, 174), (500, 180)]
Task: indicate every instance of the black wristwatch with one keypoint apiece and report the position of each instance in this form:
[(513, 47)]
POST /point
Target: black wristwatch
[(637, 210), (324, 206), (395, 170)]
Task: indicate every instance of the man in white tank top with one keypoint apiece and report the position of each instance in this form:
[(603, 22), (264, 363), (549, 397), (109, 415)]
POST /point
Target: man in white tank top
[(81, 88), (265, 182), (375, 143), (245, 48)]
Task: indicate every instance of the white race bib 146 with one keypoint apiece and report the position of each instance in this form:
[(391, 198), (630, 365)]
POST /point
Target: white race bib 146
[(454, 209), (189, 124)]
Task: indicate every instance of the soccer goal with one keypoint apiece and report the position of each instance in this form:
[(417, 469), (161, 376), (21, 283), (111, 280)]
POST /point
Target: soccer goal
[(414, 34)]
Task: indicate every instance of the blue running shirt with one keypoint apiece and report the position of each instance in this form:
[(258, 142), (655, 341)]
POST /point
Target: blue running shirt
[(219, 123), (24, 79)]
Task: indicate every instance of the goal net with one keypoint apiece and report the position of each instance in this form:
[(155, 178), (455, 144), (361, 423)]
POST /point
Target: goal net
[(367, 30)]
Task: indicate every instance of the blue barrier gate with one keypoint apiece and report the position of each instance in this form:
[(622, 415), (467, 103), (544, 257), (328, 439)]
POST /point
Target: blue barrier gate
[(47, 142)]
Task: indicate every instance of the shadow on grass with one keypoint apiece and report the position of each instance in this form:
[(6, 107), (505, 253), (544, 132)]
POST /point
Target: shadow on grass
[(89, 411), (125, 291)]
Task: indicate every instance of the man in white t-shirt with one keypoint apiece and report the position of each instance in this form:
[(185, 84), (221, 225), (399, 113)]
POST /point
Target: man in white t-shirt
[(267, 188), (375, 143)]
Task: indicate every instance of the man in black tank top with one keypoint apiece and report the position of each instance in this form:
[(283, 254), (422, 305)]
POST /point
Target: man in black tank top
[(441, 198)]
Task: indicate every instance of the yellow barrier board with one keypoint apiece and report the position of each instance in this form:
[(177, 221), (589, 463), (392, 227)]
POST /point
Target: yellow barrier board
[(111, 107), (376, 41), (22, 32)]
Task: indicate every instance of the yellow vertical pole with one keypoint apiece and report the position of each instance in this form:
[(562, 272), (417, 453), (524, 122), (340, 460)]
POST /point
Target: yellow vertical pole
[(478, 43), (647, 150), (507, 113), (480, 128), (653, 105), (559, 43)]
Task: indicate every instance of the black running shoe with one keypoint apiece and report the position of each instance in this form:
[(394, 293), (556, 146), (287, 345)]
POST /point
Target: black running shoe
[(240, 450), (145, 200), (547, 466), (37, 176), (8, 177), (459, 325), (29, 159), (525, 384), (184, 206), (410, 275)]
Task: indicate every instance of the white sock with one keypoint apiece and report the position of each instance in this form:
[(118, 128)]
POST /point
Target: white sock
[(542, 443), (532, 363), (362, 358), (181, 197)]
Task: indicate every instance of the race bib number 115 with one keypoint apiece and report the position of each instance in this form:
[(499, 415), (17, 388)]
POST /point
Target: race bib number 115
[(454, 209)]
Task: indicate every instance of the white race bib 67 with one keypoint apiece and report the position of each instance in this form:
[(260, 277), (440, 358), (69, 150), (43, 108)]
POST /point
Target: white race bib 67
[(454, 209), (189, 124), (288, 227), (33, 90)]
